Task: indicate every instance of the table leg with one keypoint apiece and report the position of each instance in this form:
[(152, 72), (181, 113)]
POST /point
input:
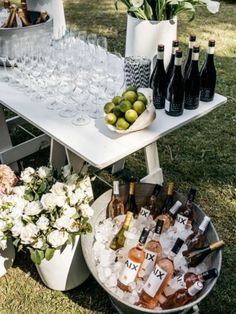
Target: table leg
[(154, 170), (5, 141), (118, 166), (76, 162), (57, 155)]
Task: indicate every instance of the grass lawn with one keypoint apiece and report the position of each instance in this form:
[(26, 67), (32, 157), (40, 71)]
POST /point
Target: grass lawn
[(201, 154)]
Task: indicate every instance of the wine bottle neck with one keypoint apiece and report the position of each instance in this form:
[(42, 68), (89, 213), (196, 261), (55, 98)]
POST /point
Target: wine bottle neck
[(160, 55), (174, 50), (156, 237), (210, 59)]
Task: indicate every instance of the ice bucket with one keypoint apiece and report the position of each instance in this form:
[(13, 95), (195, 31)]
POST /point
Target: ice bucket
[(142, 190)]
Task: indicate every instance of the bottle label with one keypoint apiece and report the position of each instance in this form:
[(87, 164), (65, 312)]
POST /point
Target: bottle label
[(207, 93), (129, 272), (116, 188), (155, 281), (180, 281), (176, 107), (178, 61), (195, 56), (191, 102), (211, 50), (181, 220), (160, 55), (167, 105), (148, 264), (144, 213), (158, 99)]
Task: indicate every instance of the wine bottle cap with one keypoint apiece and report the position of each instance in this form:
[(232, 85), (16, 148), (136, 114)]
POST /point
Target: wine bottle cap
[(192, 37), (160, 48), (144, 236), (128, 218), (196, 49), (212, 273), (211, 43), (175, 207), (175, 43), (204, 223), (195, 288), (178, 53), (170, 188), (159, 226), (157, 189), (116, 187), (217, 245), (191, 194), (177, 246)]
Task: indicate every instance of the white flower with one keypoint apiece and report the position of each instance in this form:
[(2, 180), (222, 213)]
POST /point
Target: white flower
[(19, 190), (3, 225), (63, 222), (44, 172), (48, 201), (17, 228), (58, 189), (85, 185), (71, 180), (137, 3), (42, 223), (86, 210), (33, 208), (69, 211), (28, 232), (60, 201), (26, 175), (16, 213), (75, 197), (57, 238), (213, 6), (38, 244), (66, 171), (3, 242), (74, 227)]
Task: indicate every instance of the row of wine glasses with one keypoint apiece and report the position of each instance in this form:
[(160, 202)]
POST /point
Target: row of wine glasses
[(74, 76)]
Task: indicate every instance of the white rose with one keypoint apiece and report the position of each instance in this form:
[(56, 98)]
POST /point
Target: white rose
[(28, 232), (38, 244), (69, 211), (58, 189), (213, 6), (48, 201), (33, 208), (86, 186), (44, 172), (137, 3), (26, 175), (60, 201), (16, 213), (66, 171), (3, 225), (63, 222), (17, 228), (86, 210), (42, 223), (19, 190), (74, 198), (71, 180), (3, 244), (74, 227), (57, 238)]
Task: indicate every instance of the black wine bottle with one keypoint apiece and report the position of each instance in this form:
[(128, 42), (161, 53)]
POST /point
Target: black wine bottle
[(158, 80), (130, 204), (171, 65), (208, 75), (192, 39), (174, 104), (192, 83)]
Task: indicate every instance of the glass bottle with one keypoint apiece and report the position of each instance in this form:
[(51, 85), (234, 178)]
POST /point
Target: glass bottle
[(168, 202), (158, 279), (182, 296), (186, 213), (192, 83), (130, 204), (25, 10), (208, 75), (11, 20), (43, 17), (197, 239), (192, 39), (170, 67), (119, 239), (196, 256), (116, 206), (151, 203), (158, 80), (133, 264), (174, 104), (168, 216), (188, 279), (153, 251)]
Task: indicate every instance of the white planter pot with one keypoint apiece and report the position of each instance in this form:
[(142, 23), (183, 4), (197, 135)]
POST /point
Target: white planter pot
[(66, 270), (143, 36), (7, 258), (55, 8)]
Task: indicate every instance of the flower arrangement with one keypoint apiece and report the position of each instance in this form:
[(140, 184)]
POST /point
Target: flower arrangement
[(52, 217), (159, 10), (7, 180)]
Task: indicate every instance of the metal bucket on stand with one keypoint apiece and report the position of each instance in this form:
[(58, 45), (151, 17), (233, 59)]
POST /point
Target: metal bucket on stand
[(143, 190)]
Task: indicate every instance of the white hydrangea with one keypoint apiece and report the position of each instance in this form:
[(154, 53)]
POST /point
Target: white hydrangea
[(26, 175), (28, 232), (57, 238), (42, 223), (33, 208), (44, 172), (86, 210), (58, 189)]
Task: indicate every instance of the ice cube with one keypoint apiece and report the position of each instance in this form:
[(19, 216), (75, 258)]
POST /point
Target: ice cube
[(107, 272), (120, 293), (200, 268), (102, 276), (132, 285), (111, 282), (180, 263)]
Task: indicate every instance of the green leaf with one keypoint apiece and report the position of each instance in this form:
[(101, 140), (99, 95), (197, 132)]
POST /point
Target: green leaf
[(148, 10), (188, 6), (16, 242), (71, 238), (36, 256), (49, 253)]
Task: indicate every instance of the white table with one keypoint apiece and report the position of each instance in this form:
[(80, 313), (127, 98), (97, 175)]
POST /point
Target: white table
[(93, 143)]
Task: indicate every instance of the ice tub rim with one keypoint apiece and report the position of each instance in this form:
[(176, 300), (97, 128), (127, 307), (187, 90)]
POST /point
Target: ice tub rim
[(91, 265)]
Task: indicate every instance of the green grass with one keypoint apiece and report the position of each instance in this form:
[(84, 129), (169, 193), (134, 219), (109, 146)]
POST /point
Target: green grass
[(202, 153)]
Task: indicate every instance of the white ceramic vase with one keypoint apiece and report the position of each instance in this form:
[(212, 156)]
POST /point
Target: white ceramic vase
[(66, 270), (143, 36), (7, 257), (56, 9)]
